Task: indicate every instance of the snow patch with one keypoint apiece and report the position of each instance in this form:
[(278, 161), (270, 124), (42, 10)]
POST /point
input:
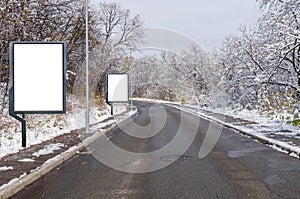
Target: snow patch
[(6, 168), (278, 149), (26, 160), (294, 155), (13, 181), (48, 149)]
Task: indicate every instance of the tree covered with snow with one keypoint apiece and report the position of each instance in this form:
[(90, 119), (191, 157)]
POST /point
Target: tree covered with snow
[(261, 64), (174, 77)]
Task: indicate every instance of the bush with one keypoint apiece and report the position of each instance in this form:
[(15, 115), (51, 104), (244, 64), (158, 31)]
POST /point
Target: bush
[(183, 101)]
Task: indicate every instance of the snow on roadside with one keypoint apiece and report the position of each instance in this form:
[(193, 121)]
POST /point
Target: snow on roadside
[(6, 168), (156, 101), (262, 123), (44, 127), (119, 108), (4, 186), (48, 149), (282, 137)]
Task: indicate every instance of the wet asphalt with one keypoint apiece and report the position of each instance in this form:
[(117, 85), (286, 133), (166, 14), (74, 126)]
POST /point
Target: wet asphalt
[(237, 167)]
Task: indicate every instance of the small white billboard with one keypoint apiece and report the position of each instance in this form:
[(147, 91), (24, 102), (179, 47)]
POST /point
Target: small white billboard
[(38, 77), (117, 87)]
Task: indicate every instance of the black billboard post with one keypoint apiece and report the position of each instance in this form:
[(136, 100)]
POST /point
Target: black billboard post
[(37, 80), (117, 88)]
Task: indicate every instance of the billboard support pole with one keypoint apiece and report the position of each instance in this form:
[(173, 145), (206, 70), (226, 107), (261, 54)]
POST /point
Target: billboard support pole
[(23, 130), (109, 103), (111, 107), (17, 117)]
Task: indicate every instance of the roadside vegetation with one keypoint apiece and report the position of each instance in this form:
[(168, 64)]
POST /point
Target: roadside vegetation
[(257, 69)]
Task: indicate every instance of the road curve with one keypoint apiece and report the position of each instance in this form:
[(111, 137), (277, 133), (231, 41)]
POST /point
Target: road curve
[(237, 167)]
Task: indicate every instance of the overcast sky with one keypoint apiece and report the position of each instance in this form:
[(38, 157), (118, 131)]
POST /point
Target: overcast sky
[(208, 22)]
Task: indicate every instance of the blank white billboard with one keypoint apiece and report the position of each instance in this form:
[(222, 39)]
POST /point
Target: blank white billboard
[(117, 87), (39, 77)]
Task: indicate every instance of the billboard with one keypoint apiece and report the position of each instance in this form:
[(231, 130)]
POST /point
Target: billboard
[(38, 77), (117, 87)]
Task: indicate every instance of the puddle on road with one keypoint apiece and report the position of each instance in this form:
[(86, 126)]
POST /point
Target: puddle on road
[(239, 153), (273, 180)]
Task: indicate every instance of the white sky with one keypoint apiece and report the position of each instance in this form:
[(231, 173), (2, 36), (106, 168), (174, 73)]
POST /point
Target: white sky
[(208, 22)]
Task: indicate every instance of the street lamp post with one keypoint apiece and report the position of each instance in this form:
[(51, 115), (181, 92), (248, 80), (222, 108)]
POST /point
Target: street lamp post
[(131, 104), (87, 117)]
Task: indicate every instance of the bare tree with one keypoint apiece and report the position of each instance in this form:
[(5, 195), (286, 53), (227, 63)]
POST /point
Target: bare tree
[(44, 20), (118, 32)]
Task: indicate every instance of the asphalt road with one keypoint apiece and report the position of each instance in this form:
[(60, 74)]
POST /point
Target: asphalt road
[(237, 167)]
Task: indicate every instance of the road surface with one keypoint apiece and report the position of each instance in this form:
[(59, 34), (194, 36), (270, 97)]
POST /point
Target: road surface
[(237, 167)]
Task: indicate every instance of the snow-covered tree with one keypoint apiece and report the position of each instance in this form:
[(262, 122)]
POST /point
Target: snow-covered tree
[(262, 64), (169, 76)]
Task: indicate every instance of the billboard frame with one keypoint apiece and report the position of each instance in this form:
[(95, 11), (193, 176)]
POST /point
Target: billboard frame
[(12, 78), (128, 90), (12, 111), (128, 87)]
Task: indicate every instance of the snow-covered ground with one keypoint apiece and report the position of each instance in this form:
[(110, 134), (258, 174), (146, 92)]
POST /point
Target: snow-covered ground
[(268, 125), (45, 127)]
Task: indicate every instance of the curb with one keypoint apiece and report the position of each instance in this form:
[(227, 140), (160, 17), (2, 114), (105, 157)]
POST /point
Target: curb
[(14, 186), (268, 141)]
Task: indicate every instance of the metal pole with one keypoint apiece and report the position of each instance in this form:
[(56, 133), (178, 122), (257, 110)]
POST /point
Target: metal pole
[(112, 109), (23, 131), (12, 113), (131, 105), (87, 117)]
